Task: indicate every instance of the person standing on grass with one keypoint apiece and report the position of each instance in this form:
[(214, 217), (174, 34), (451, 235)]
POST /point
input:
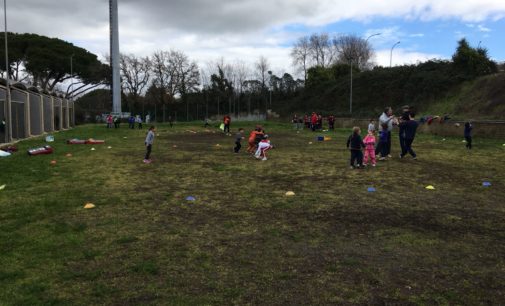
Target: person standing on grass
[(139, 122), (371, 125), (355, 145), (401, 134), (226, 122), (149, 144), (331, 122), (468, 134), (109, 121), (410, 128), (238, 138), (383, 141), (131, 122), (386, 124), (369, 142), (313, 122)]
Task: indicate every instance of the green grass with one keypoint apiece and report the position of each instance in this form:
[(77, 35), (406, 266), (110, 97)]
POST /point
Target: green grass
[(242, 241)]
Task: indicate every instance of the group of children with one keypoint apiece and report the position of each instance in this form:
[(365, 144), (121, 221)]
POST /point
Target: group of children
[(315, 121), (407, 132), (258, 142)]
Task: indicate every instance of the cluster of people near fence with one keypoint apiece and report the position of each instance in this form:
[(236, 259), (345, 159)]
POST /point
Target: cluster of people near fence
[(132, 121), (313, 122)]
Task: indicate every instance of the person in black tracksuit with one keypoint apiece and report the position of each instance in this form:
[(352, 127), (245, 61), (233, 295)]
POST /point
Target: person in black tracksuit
[(355, 145), (409, 127)]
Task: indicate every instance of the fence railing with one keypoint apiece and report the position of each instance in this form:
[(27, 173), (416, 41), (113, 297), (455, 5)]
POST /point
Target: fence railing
[(33, 112)]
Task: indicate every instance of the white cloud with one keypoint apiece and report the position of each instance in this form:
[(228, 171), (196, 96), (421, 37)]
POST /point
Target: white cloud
[(483, 28), (403, 56), (245, 29)]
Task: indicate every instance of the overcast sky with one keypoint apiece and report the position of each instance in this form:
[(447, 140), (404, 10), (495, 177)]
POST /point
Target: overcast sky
[(245, 29)]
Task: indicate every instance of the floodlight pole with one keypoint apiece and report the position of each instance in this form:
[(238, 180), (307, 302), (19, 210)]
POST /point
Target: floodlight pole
[(114, 57), (8, 89)]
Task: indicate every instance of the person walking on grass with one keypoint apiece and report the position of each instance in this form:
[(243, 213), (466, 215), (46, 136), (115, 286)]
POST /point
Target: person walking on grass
[(410, 128), (238, 138), (468, 134), (149, 144), (355, 145)]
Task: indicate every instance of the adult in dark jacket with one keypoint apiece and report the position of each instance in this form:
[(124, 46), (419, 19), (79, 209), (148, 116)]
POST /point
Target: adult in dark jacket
[(409, 127)]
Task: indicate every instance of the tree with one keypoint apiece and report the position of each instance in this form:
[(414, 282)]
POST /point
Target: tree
[(300, 55), (470, 63), (352, 48), (321, 50), (135, 75), (45, 62)]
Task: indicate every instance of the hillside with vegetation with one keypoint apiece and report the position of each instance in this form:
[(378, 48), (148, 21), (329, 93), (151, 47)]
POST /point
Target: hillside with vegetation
[(469, 85)]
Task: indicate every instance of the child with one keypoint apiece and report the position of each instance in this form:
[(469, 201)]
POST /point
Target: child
[(131, 122), (238, 138), (409, 128), (263, 146), (252, 139), (468, 135), (331, 122), (355, 144), (149, 143), (139, 122), (383, 141), (227, 121), (371, 126), (369, 142)]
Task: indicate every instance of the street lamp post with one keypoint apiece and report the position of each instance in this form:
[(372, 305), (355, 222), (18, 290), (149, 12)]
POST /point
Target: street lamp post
[(8, 90), (270, 73), (391, 55), (350, 93)]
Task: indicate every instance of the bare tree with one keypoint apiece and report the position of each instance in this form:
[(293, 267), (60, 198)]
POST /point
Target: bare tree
[(262, 66), (135, 75), (321, 50), (353, 48), (300, 55), (165, 77)]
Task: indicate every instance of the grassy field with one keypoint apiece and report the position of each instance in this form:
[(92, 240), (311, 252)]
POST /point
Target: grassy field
[(243, 241)]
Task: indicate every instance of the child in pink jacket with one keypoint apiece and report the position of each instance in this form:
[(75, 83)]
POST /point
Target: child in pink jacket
[(369, 142)]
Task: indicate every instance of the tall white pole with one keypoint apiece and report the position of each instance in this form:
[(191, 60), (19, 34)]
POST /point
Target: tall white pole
[(114, 56), (391, 55), (8, 88)]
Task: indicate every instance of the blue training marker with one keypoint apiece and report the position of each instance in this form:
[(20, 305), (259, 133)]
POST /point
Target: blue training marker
[(371, 189), (190, 198), (486, 184)]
